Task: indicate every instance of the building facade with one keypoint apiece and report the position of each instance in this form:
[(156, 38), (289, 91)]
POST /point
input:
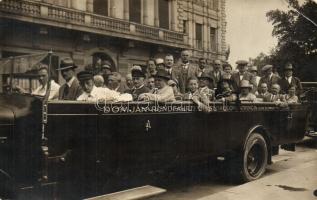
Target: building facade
[(124, 32)]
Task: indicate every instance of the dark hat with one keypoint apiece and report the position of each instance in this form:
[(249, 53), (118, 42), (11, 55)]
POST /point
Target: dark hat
[(162, 74), (242, 62), (206, 76), (288, 66), (136, 71), (67, 63), (84, 75)]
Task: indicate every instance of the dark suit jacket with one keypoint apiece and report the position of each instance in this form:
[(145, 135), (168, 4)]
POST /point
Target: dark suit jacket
[(182, 75), (278, 97), (74, 91), (216, 79), (294, 82), (207, 70), (274, 79), (235, 78)]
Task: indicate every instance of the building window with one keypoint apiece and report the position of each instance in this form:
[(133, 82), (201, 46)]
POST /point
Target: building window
[(213, 4), (213, 39), (101, 7), (185, 26), (199, 36), (164, 13), (135, 11)]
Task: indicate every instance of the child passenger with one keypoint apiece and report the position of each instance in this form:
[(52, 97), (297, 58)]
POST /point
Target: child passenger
[(205, 85), (291, 96), (196, 96)]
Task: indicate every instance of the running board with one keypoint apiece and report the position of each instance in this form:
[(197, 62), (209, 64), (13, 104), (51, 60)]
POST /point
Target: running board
[(131, 194)]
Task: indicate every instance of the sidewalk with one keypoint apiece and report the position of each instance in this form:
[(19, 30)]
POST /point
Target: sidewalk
[(293, 184)]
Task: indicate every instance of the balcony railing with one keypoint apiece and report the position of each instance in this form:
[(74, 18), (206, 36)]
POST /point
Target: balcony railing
[(52, 13), (21, 7), (147, 31), (109, 23)]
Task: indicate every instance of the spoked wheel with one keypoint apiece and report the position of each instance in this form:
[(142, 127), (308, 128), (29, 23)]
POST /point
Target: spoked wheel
[(255, 156)]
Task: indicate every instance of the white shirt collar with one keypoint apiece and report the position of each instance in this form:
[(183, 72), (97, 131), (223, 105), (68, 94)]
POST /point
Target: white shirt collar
[(70, 82)]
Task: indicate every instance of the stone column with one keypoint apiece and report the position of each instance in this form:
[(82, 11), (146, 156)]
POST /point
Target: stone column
[(126, 9), (173, 9), (90, 5), (79, 4), (145, 12), (156, 13), (113, 8)]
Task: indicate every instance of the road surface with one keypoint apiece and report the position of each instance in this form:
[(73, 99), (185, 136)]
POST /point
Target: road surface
[(206, 184)]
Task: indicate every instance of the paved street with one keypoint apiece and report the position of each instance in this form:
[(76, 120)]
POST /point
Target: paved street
[(292, 176)]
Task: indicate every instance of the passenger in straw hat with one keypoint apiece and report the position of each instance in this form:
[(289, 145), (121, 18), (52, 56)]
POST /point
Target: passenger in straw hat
[(245, 92), (163, 92)]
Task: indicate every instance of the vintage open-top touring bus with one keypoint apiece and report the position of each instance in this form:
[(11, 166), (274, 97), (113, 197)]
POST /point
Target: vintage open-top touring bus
[(73, 149)]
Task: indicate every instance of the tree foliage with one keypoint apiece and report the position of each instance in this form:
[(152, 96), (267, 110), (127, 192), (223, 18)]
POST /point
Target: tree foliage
[(297, 38)]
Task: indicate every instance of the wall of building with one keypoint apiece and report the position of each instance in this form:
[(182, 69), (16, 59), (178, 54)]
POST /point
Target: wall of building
[(124, 52)]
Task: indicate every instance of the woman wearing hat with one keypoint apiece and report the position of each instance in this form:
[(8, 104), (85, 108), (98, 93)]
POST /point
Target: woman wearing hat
[(245, 92), (163, 93)]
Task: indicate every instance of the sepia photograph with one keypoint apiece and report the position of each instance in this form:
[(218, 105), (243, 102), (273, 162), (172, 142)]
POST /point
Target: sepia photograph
[(158, 99)]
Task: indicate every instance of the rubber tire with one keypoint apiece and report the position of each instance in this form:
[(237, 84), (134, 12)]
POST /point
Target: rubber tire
[(254, 139), (237, 165)]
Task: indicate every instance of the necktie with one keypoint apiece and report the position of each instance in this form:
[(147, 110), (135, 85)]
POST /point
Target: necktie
[(66, 91)]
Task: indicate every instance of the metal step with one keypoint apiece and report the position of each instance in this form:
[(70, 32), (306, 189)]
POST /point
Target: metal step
[(131, 194)]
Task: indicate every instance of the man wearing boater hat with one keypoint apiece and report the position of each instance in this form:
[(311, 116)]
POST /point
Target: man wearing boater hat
[(164, 92), (71, 89), (138, 78), (289, 80), (243, 74)]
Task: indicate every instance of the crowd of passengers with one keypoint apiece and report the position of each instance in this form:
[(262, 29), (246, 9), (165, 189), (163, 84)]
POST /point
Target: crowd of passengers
[(166, 81)]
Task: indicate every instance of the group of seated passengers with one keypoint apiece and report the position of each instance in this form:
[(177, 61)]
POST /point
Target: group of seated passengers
[(85, 86)]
